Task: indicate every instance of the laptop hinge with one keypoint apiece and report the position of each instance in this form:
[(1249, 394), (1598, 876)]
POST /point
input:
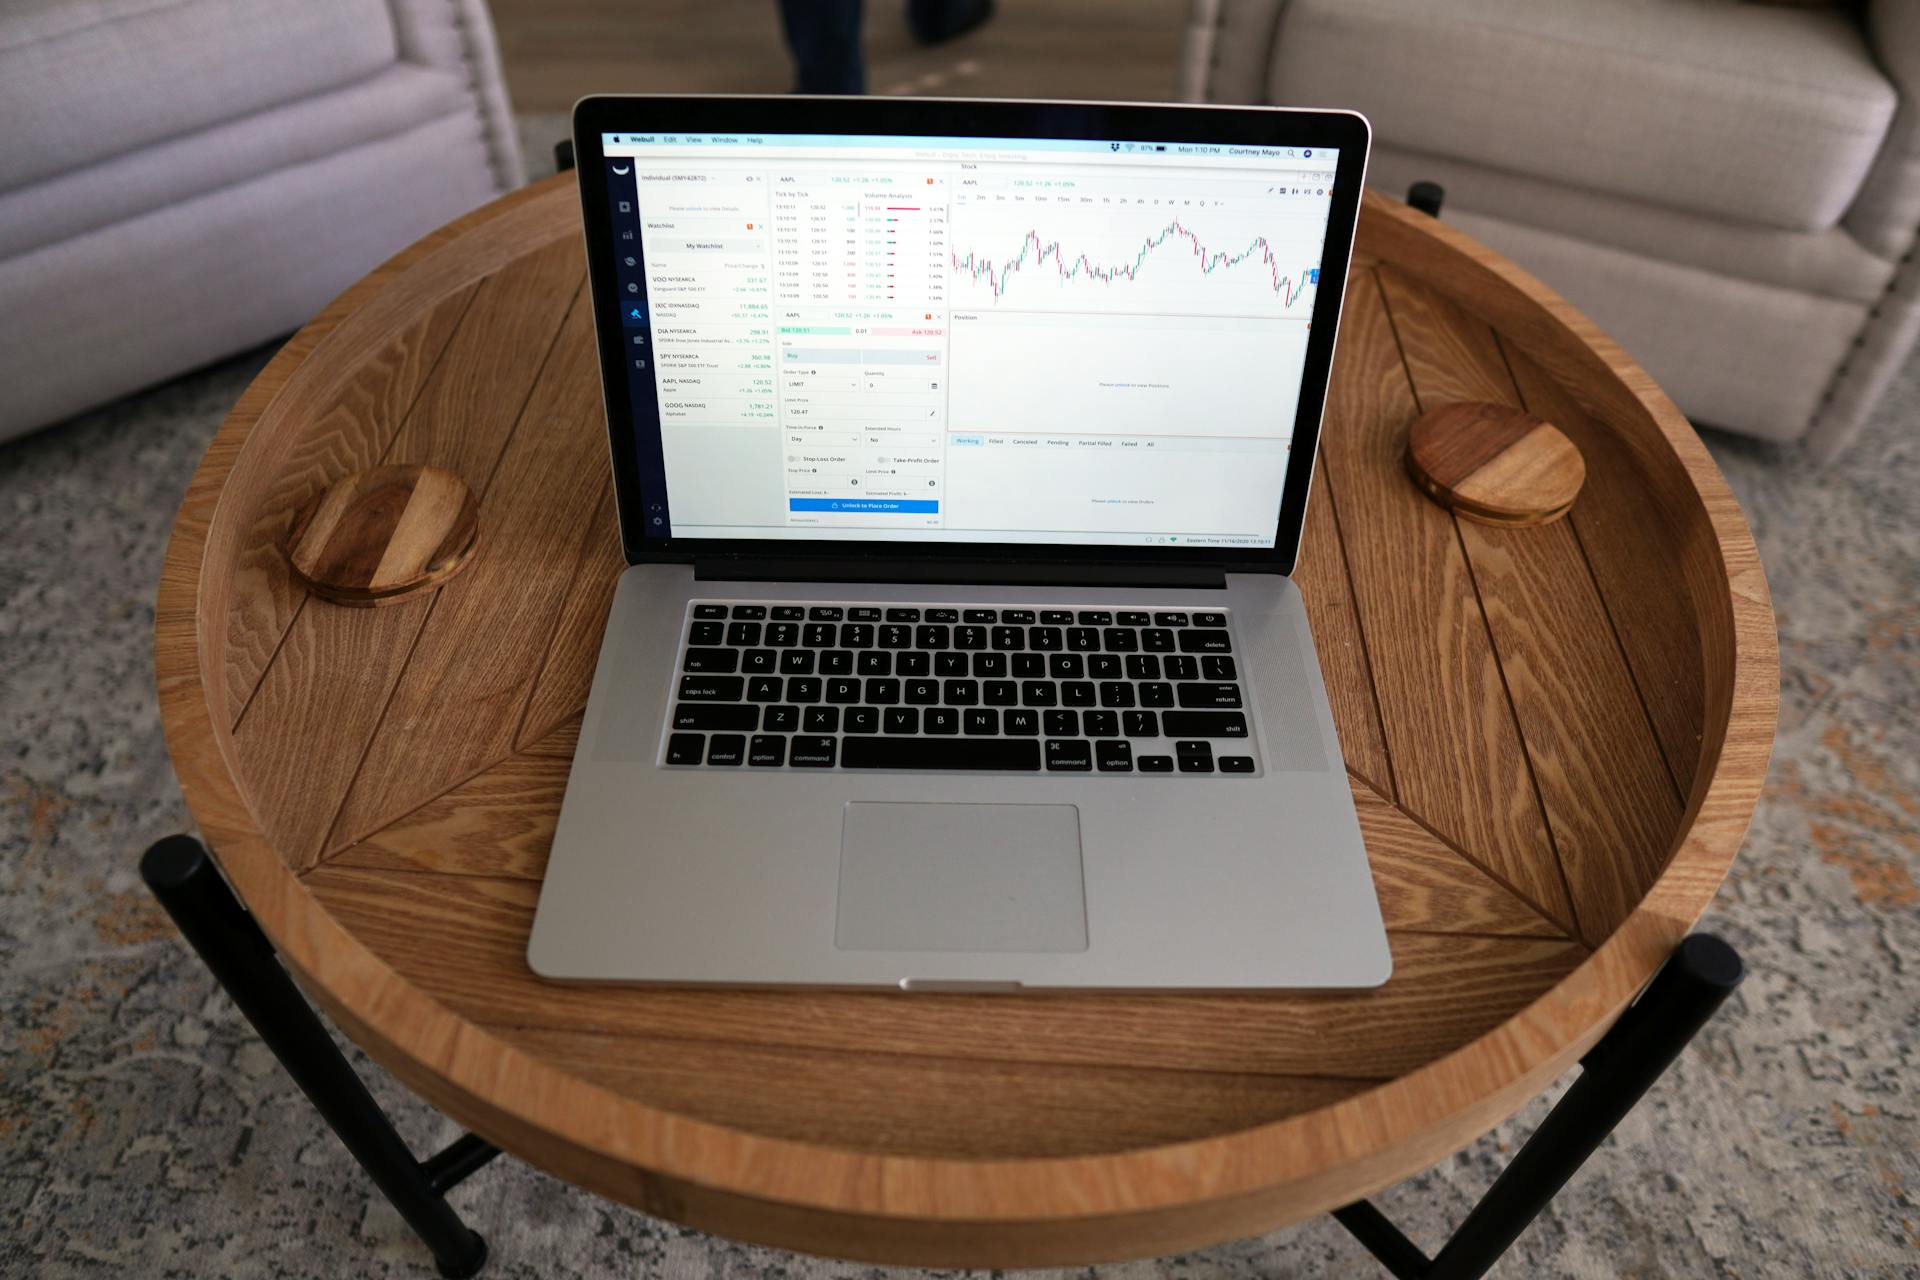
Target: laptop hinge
[(1113, 573)]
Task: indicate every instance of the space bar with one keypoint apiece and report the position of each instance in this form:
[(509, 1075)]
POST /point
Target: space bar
[(939, 753)]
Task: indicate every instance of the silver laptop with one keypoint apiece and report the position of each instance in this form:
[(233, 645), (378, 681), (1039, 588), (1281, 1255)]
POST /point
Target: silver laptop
[(962, 451)]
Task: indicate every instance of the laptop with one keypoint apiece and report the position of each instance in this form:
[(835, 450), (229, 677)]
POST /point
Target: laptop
[(961, 452)]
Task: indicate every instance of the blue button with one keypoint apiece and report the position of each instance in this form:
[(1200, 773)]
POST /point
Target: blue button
[(633, 313), (897, 506)]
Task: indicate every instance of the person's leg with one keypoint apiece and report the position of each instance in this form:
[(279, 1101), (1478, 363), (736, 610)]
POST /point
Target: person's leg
[(937, 21), (824, 37)]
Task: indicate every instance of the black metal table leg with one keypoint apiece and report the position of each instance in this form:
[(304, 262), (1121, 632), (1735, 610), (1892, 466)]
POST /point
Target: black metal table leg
[(1700, 974), (182, 876)]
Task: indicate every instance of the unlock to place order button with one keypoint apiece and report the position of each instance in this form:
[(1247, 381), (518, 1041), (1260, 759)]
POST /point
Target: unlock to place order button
[(899, 506)]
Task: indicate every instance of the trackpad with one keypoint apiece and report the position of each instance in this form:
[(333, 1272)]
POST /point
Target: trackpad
[(961, 877)]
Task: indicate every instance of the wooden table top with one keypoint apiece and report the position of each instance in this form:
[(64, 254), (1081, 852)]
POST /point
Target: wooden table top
[(1556, 737)]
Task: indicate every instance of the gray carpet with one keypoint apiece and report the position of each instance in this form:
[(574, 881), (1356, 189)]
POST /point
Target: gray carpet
[(146, 1132)]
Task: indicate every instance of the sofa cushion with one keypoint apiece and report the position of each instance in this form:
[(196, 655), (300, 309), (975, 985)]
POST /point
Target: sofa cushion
[(82, 80), (1756, 114)]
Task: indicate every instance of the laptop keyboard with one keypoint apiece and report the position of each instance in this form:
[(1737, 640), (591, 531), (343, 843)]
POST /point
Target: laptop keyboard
[(860, 686)]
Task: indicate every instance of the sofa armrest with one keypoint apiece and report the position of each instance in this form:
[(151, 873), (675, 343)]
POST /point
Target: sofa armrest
[(1886, 214), (457, 35), (1229, 50)]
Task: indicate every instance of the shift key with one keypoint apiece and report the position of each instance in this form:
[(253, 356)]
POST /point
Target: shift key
[(1204, 724), (711, 688)]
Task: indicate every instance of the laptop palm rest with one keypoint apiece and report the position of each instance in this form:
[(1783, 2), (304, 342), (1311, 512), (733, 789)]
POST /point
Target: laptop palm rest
[(961, 877)]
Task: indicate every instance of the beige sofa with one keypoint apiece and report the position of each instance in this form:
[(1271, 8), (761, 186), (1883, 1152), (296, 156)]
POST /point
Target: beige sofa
[(1732, 190), (182, 179)]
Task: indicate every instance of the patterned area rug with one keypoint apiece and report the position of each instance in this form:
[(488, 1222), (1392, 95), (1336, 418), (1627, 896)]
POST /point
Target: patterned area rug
[(146, 1132)]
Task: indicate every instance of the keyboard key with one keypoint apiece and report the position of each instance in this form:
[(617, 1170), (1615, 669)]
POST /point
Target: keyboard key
[(863, 615), (961, 693), (825, 613), (901, 719), (1236, 764), (1028, 666), (1095, 618), (699, 716), (1077, 693), (911, 664), (1000, 693), (803, 689), (821, 720), (783, 635), (1100, 724), (759, 689), (943, 615), (711, 688), (1204, 724), (941, 753), (758, 661), (797, 662), (752, 611), (1046, 639), (1056, 617), (1061, 724), (1017, 617), (1008, 638), (1142, 666), (941, 720), (983, 616), (1121, 639), (1083, 639), (1141, 724), (863, 720), (818, 635), (1196, 694), (816, 753), (1193, 756), (709, 611), (894, 636), (766, 752), (923, 693), (856, 635), (1155, 764), (1103, 666), (781, 718), (1155, 693), (1209, 619), (1135, 618), (990, 664), (706, 633), (929, 636), (1022, 722), (787, 613), (685, 748), (726, 749), (742, 634), (1215, 666), (1205, 642), (1038, 693), (1069, 755), (1067, 666), (1181, 666), (843, 689), (1156, 640), (883, 692), (1116, 693), (712, 660), (969, 637), (1169, 619), (979, 720), (875, 662), (1114, 757), (949, 663), (836, 662), (903, 615)]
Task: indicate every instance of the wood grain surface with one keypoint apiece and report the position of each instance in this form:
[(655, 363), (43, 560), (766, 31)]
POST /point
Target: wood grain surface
[(1555, 736), (381, 535), (1494, 463)]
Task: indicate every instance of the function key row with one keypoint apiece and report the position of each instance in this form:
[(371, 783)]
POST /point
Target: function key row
[(1012, 617)]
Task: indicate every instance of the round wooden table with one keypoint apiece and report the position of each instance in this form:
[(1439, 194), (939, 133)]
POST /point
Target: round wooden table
[(1556, 738)]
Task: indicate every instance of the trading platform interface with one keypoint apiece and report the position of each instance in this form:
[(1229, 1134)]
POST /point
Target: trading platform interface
[(965, 339)]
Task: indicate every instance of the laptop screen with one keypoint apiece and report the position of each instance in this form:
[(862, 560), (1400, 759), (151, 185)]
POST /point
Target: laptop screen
[(965, 339)]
